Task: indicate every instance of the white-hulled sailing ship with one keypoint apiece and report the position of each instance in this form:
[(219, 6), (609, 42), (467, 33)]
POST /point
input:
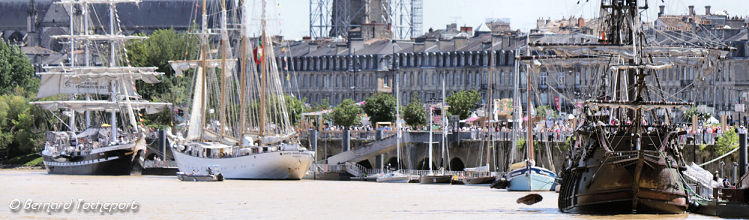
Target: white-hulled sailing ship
[(110, 141), (254, 140)]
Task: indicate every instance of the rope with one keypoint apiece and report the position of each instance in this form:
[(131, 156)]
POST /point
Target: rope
[(721, 157)]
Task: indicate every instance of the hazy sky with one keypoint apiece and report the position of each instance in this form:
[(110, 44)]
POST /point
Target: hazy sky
[(293, 15)]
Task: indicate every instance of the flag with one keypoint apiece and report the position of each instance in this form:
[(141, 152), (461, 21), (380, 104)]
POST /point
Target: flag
[(258, 51), (286, 64)]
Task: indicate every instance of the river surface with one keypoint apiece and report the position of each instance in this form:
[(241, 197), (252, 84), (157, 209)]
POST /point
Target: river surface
[(164, 197)]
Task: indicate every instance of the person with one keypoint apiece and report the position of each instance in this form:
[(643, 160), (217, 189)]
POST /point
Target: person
[(715, 183), (726, 184)]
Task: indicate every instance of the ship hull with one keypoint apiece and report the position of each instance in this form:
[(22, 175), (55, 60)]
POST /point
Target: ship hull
[(478, 180), (434, 179), (613, 188), (114, 162), (279, 165), (539, 179)]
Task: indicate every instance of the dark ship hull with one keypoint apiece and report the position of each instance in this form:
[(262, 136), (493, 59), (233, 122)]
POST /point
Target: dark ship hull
[(620, 179), (113, 162)]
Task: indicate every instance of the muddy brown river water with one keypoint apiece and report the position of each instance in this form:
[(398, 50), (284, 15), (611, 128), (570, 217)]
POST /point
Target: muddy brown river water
[(32, 194)]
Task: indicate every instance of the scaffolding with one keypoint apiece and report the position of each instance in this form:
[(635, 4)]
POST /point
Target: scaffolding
[(335, 18)]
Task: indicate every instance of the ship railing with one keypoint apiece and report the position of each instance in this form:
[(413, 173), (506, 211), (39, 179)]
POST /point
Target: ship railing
[(702, 138)]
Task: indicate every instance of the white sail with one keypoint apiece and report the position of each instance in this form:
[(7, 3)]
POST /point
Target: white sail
[(65, 84), (179, 66), (196, 113)]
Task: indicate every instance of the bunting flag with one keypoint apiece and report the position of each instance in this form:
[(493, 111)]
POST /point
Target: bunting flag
[(286, 64), (258, 51)]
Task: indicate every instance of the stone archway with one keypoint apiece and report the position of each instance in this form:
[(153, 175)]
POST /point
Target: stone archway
[(424, 164), (365, 164), (456, 164), (391, 163)]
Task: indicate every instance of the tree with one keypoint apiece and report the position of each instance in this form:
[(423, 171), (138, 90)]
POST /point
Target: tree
[(542, 111), (295, 108), (726, 142), (380, 107), (693, 111), (161, 47), (346, 114), (16, 71), (463, 102), (414, 113), (22, 126)]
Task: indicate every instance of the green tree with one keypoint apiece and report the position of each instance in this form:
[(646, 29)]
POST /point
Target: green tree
[(542, 111), (22, 126), (295, 108), (463, 102), (380, 107), (726, 142), (414, 113), (346, 114), (161, 47), (16, 71), (692, 111), (321, 105)]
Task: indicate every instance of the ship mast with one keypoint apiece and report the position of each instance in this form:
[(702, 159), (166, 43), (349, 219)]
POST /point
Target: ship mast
[(242, 73), (263, 73), (489, 111), (529, 139), (203, 62), (224, 39)]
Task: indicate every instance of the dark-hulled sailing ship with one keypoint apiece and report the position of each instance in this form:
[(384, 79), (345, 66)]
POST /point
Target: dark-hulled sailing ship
[(624, 157), (110, 140)]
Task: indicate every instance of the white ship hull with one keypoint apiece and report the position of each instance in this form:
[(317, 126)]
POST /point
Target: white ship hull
[(278, 165)]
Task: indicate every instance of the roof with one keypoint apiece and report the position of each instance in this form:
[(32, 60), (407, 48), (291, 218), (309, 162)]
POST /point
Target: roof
[(36, 50)]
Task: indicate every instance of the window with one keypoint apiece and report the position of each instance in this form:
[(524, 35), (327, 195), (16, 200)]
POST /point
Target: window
[(542, 79)]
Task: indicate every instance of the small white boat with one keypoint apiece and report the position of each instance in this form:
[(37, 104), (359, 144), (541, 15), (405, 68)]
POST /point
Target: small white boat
[(393, 177), (524, 176)]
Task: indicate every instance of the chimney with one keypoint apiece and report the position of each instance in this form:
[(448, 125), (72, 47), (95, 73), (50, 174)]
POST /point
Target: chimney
[(443, 45), (466, 29), (341, 47), (429, 43), (419, 47), (459, 42), (707, 10), (691, 10), (661, 11), (539, 23), (580, 22)]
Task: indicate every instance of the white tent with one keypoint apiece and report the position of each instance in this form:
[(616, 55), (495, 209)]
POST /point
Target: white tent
[(712, 120)]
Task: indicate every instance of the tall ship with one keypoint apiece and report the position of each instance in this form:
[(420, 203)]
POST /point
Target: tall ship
[(107, 140), (238, 122), (624, 156)]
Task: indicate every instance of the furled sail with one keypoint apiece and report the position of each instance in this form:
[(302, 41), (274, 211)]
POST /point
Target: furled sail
[(58, 84), (101, 105)]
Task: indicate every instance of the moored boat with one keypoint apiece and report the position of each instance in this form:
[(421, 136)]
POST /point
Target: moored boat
[(435, 178), (393, 177), (100, 92), (262, 143)]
